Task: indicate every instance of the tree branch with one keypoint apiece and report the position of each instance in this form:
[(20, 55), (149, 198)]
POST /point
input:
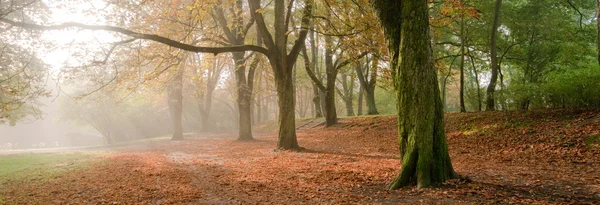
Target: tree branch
[(152, 37)]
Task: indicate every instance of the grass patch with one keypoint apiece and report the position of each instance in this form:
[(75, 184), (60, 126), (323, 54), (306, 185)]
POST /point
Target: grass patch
[(40, 166), (593, 141)]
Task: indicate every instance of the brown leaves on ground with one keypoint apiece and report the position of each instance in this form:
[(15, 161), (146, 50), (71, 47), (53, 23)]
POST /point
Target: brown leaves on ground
[(539, 157)]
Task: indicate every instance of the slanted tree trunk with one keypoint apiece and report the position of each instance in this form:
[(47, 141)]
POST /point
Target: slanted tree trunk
[(490, 100), (477, 86), (175, 103), (423, 148), (347, 93)]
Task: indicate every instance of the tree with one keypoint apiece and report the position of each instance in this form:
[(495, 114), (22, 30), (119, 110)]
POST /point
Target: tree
[(236, 32), (423, 148), (175, 102), (23, 79), (490, 104), (347, 92), (367, 77), (282, 62), (206, 78), (276, 51)]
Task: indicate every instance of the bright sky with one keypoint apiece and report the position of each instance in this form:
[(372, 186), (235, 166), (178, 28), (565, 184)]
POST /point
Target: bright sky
[(56, 57)]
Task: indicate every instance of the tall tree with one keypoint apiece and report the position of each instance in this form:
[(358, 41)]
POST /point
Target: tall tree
[(175, 102), (423, 148), (236, 32), (206, 78), (347, 92), (282, 62), (490, 103), (367, 77)]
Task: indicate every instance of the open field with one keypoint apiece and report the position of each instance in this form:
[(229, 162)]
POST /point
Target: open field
[(538, 157)]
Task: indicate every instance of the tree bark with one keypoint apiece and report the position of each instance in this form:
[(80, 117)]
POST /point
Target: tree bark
[(368, 81), (286, 138), (423, 148), (347, 93), (314, 53), (176, 104), (282, 64), (236, 34), (462, 64), (331, 74), (490, 100), (359, 109), (244, 97)]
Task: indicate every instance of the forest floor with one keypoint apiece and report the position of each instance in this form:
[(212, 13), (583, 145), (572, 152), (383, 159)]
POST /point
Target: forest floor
[(535, 157)]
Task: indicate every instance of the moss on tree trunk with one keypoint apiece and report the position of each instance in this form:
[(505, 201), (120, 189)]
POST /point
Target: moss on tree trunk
[(423, 148)]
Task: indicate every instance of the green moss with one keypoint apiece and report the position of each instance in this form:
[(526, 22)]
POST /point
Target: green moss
[(593, 141)]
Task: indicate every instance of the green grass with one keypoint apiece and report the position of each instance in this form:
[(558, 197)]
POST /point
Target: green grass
[(593, 141), (41, 166)]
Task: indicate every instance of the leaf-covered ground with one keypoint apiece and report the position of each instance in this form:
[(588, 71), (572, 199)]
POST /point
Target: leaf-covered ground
[(539, 157)]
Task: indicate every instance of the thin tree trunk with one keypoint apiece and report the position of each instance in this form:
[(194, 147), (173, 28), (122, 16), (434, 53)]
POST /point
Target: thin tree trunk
[(423, 148), (462, 64), (359, 109), (490, 100), (479, 106)]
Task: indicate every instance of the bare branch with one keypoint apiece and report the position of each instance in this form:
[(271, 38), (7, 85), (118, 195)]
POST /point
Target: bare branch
[(152, 37)]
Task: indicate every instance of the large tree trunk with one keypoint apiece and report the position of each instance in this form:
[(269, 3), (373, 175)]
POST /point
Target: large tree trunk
[(330, 111), (317, 102), (176, 104), (205, 108), (490, 101), (423, 148), (287, 124), (244, 98), (370, 98)]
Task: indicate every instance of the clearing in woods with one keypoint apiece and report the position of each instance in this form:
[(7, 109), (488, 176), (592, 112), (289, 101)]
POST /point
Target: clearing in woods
[(537, 157)]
